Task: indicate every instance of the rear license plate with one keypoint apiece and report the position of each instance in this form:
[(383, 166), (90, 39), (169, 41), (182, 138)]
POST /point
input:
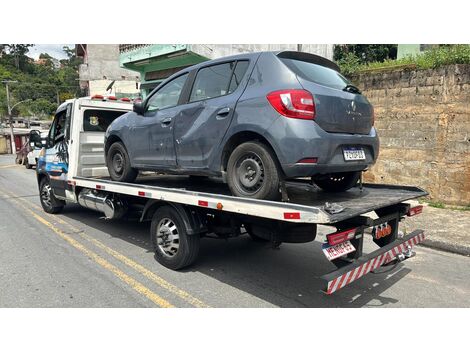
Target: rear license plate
[(351, 154), (338, 250)]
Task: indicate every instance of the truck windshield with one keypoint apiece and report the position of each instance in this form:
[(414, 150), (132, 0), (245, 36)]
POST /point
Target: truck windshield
[(99, 120)]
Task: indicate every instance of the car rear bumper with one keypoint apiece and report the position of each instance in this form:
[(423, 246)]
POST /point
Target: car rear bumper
[(295, 140)]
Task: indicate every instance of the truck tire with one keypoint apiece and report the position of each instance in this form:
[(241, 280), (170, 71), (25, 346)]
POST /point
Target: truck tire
[(119, 164), (252, 172), (49, 202), (338, 182), (255, 238), (174, 248)]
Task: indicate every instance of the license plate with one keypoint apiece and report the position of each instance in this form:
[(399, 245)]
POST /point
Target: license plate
[(338, 250), (354, 154)]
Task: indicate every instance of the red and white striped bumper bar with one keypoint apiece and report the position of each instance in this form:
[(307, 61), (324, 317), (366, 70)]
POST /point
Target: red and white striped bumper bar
[(338, 279)]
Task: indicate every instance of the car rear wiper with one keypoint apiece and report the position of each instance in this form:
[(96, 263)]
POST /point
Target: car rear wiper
[(351, 89)]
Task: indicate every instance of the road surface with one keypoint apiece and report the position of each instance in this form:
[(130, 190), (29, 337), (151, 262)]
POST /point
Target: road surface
[(79, 259)]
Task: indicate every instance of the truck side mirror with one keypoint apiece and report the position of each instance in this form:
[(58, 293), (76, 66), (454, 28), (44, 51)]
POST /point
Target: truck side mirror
[(34, 136), (139, 108)]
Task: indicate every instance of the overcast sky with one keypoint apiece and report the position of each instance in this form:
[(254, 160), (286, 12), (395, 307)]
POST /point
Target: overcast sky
[(55, 50)]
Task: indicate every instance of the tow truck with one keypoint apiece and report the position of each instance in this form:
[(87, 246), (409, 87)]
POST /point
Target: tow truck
[(182, 210)]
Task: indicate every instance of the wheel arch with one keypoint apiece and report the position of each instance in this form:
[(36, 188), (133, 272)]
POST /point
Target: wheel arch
[(193, 220), (241, 137), (110, 140)]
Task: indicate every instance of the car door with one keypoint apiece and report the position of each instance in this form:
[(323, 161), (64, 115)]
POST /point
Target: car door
[(151, 134), (204, 120)]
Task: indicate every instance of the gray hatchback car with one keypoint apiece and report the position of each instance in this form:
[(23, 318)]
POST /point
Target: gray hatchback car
[(256, 119)]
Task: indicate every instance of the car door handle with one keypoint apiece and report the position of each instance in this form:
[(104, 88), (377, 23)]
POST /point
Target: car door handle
[(223, 112), (166, 122)]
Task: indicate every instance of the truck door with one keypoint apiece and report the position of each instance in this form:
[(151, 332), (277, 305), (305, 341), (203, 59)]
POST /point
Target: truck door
[(57, 155), (204, 120)]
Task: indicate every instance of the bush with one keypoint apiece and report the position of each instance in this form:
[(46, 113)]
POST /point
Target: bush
[(434, 58)]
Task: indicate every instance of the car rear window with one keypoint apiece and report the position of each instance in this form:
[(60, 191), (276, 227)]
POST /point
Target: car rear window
[(316, 73), (99, 120)]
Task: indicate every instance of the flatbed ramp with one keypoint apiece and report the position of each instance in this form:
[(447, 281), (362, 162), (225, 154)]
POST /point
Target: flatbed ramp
[(307, 203)]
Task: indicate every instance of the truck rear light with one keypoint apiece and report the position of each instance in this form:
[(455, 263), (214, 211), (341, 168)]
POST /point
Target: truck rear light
[(112, 98), (415, 210), (340, 237), (294, 103), (125, 99), (307, 161)]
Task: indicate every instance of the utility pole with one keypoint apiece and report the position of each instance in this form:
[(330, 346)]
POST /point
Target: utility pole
[(12, 135)]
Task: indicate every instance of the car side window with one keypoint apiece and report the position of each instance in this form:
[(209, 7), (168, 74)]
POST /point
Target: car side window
[(238, 74), (167, 96), (212, 81)]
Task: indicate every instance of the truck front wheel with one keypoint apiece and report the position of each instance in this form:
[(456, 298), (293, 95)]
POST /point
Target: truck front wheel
[(49, 202), (174, 248)]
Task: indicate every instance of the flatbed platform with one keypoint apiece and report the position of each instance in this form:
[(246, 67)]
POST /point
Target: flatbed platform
[(307, 203)]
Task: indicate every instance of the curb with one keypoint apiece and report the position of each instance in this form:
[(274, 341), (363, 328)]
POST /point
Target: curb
[(447, 247)]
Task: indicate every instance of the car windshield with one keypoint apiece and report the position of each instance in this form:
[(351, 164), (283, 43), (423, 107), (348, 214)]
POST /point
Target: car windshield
[(316, 73)]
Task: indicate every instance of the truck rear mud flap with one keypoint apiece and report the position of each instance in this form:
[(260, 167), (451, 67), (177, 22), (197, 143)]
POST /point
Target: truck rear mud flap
[(338, 279)]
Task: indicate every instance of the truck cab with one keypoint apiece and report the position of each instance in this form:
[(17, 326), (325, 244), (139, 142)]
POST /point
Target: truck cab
[(74, 145)]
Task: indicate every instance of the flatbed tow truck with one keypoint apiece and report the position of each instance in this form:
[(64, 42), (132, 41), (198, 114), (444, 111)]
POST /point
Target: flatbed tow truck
[(184, 209)]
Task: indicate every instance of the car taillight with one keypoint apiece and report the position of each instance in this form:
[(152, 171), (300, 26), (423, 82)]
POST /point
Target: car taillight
[(294, 103), (415, 210), (340, 237)]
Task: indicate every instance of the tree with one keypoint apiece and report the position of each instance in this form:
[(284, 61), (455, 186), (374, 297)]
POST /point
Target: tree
[(365, 52), (18, 51)]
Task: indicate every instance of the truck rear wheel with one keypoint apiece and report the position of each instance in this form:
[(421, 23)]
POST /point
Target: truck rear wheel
[(119, 164), (49, 202), (174, 248)]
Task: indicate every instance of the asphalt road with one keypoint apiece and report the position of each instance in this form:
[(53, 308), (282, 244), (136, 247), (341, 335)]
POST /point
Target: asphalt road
[(78, 259)]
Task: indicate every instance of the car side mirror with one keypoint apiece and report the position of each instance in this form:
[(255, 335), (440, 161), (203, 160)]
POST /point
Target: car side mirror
[(139, 108)]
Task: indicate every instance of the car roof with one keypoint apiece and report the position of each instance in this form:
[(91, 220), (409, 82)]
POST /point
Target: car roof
[(320, 60)]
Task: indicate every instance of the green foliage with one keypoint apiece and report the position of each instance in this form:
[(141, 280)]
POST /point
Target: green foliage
[(42, 84), (365, 53), (434, 58)]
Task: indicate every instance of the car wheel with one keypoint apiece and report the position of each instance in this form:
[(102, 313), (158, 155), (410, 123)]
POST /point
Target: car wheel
[(49, 202), (119, 165), (337, 182), (252, 172), (174, 248), (27, 164)]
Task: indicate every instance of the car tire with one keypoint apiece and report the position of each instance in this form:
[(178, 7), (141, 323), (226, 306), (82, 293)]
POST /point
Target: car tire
[(27, 164), (174, 248), (252, 172), (119, 165), (337, 182), (49, 202)]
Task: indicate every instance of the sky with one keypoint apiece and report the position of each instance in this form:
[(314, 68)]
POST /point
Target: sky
[(54, 50)]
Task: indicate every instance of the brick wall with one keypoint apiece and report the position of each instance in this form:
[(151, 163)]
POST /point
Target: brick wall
[(423, 121)]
